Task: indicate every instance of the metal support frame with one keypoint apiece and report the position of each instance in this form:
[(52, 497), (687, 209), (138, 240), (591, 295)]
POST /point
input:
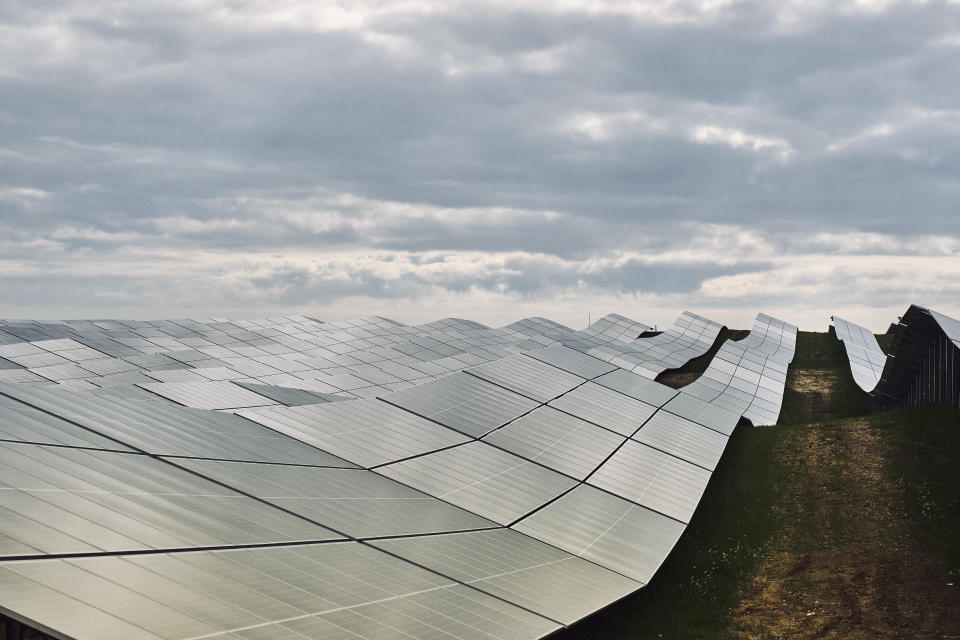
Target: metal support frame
[(12, 629)]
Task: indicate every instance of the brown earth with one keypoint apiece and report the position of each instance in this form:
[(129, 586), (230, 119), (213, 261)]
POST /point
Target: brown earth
[(677, 380), (845, 566), (815, 387)]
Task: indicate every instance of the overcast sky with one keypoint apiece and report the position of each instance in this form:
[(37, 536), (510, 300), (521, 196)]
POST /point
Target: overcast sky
[(484, 159)]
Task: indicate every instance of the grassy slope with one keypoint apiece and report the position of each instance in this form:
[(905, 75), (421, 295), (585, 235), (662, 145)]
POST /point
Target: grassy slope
[(768, 483)]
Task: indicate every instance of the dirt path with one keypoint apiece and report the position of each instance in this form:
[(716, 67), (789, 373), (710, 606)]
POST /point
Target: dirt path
[(845, 565)]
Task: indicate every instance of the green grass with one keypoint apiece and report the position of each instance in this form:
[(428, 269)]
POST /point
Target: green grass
[(923, 463), (820, 362), (886, 341)]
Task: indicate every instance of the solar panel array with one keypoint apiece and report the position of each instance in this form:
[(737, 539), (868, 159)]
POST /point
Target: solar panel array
[(923, 366), (199, 363), (949, 326), (748, 376), (690, 336), (866, 357), (528, 488)]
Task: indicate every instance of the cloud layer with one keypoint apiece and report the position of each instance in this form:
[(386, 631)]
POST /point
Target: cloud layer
[(489, 159)]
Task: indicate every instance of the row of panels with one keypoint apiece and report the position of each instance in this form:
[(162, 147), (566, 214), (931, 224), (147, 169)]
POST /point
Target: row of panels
[(506, 500), (923, 366), (690, 337), (863, 351), (748, 376), (195, 362)]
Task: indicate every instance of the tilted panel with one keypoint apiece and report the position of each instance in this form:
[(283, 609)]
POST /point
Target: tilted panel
[(463, 402), (58, 500), (606, 529), (519, 569), (557, 440), (314, 591), (482, 479), (360, 503)]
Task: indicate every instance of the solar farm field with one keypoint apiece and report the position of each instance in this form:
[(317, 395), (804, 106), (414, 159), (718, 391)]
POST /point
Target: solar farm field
[(836, 523)]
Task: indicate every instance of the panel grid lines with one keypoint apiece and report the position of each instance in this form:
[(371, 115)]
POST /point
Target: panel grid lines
[(358, 477)]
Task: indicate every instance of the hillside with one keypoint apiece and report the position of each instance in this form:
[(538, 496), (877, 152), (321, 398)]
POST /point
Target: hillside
[(834, 524)]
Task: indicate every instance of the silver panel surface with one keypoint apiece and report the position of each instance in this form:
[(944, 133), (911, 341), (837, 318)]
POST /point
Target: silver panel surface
[(683, 438), (637, 387), (357, 502), (482, 479), (57, 500), (605, 407), (368, 432), (165, 429), (608, 530), (314, 591), (653, 479), (572, 361), (463, 402), (557, 440), (519, 569), (532, 378)]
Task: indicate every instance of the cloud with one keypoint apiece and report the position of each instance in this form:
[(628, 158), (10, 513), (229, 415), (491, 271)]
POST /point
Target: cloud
[(493, 156)]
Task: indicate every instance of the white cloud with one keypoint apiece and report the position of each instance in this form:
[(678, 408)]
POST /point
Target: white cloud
[(734, 138), (486, 159), (601, 128), (880, 130)]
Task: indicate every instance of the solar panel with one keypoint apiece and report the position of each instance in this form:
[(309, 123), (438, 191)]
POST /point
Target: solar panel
[(605, 407), (653, 479), (606, 529), (524, 571), (463, 402), (359, 503), (489, 482), (528, 377), (557, 440), (703, 413), (866, 357), (171, 430), (482, 479), (207, 395), (733, 378), (19, 422), (59, 500), (289, 396), (314, 591), (367, 432), (637, 387), (683, 438), (572, 361)]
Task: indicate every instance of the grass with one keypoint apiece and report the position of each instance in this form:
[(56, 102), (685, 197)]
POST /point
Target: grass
[(820, 386), (923, 466), (885, 340), (809, 490)]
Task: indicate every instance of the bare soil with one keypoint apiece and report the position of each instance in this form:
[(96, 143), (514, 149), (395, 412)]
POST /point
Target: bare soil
[(816, 387), (845, 566), (677, 380)]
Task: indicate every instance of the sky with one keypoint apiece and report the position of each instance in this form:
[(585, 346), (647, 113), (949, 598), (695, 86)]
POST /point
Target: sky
[(489, 159)]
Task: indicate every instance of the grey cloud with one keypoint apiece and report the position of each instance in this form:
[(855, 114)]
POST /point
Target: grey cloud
[(169, 129)]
